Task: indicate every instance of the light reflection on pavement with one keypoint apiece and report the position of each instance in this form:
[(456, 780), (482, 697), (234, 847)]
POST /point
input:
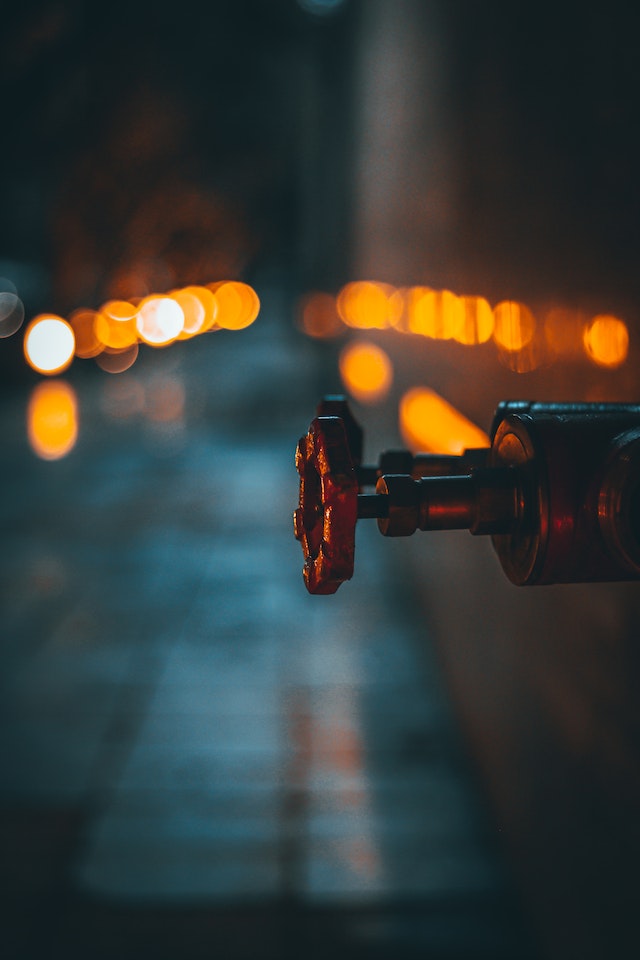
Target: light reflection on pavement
[(225, 737)]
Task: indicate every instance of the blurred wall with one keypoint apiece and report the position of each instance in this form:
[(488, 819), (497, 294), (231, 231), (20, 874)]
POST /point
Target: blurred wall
[(149, 144), (498, 155)]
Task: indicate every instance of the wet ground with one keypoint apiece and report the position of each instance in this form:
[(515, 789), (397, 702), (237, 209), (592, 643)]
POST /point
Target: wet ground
[(199, 759)]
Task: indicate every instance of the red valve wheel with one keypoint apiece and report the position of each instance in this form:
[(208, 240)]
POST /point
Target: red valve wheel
[(325, 521)]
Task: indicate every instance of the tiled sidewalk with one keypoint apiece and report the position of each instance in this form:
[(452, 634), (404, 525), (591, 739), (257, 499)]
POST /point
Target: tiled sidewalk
[(185, 729)]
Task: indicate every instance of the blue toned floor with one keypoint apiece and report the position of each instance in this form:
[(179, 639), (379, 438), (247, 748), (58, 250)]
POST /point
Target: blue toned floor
[(199, 759)]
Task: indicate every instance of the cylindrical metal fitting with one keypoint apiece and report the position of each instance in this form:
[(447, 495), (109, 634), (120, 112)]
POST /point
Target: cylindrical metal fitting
[(446, 503), (578, 492), (448, 465), (401, 493), (619, 500), (483, 502), (372, 506)]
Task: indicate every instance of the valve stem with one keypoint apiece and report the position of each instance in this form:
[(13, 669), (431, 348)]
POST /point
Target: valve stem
[(373, 506), (486, 501)]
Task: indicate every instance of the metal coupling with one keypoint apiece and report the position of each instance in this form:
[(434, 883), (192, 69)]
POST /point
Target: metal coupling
[(484, 502)]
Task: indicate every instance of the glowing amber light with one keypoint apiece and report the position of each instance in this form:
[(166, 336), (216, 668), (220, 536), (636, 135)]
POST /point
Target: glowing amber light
[(438, 314), (211, 308), (52, 419), (87, 343), (318, 315), (121, 310), (398, 309), (515, 325), (415, 309), (200, 309), (429, 423), (193, 312), (367, 305), (115, 324), (606, 340), (238, 304), (49, 344), (159, 321), (366, 371), (477, 321)]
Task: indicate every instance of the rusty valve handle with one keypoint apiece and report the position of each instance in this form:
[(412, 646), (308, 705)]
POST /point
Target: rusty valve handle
[(325, 521), (330, 504), (329, 462)]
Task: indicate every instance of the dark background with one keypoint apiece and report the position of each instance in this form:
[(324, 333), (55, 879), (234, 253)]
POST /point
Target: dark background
[(490, 148), (221, 137)]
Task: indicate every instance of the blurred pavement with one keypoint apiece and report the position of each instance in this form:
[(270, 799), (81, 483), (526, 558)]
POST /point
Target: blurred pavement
[(197, 757)]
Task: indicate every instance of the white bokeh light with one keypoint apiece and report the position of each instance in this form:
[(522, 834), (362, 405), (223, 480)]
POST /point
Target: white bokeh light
[(49, 344)]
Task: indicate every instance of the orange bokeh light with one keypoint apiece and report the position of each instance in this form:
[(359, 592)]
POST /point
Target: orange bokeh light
[(366, 371), (49, 344), (115, 324), (200, 309), (87, 343), (210, 304), (121, 310), (606, 341), (364, 304), (159, 320), (477, 322), (415, 298), (438, 314), (193, 310), (515, 325), (398, 314), (318, 316), (114, 331), (431, 424), (52, 419), (238, 304)]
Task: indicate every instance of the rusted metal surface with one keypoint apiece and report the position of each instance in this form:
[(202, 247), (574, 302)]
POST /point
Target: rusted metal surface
[(325, 519)]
